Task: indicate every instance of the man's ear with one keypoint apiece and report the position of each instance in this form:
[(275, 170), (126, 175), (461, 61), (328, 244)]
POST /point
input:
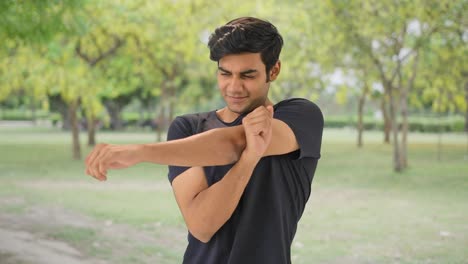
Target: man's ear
[(275, 71)]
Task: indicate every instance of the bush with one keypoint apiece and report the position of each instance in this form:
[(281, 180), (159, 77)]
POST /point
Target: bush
[(132, 119), (21, 115), (417, 124)]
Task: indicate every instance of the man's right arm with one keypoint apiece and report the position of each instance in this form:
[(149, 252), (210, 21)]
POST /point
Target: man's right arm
[(206, 209)]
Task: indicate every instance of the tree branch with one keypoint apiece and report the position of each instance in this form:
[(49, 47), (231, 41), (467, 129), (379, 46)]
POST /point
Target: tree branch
[(102, 55)]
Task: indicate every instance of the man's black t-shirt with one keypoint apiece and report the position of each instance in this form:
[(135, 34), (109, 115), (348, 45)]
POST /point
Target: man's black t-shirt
[(262, 227)]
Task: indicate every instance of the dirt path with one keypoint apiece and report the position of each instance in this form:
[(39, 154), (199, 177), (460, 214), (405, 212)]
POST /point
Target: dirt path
[(24, 247), (23, 238), (29, 236)]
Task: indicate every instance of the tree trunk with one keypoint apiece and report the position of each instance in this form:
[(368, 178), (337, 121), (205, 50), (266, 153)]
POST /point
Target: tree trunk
[(91, 131), (439, 143), (66, 120), (404, 109), (161, 126), (75, 130), (141, 115), (161, 121), (33, 110), (466, 111), (170, 116), (397, 166), (57, 104), (386, 118), (171, 107), (466, 104), (114, 110), (404, 128), (360, 125)]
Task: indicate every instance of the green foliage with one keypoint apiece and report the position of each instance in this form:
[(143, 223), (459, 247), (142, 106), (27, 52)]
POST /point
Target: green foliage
[(33, 21), (444, 68), (156, 51)]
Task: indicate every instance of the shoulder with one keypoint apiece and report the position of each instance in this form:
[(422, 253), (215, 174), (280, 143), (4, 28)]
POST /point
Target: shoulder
[(186, 125), (296, 102), (298, 108), (306, 122), (191, 118)]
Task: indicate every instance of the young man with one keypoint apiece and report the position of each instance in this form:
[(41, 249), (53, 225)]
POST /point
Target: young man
[(242, 174)]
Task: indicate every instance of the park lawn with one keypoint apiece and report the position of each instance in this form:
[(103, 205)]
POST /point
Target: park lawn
[(360, 211)]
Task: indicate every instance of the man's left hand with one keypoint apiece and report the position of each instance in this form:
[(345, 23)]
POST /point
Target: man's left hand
[(106, 156)]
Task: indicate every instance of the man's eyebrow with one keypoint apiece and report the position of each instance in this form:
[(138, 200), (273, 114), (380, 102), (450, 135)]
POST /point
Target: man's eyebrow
[(223, 70), (248, 71), (242, 73)]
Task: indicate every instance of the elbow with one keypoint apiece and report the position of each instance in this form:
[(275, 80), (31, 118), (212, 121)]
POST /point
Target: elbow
[(204, 238), (235, 155), (229, 143), (237, 145), (230, 151), (202, 234), (200, 228), (226, 157)]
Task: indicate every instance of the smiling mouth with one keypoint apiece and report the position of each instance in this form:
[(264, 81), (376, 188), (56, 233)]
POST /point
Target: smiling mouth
[(236, 97)]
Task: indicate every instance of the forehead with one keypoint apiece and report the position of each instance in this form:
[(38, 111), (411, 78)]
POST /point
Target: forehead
[(242, 62)]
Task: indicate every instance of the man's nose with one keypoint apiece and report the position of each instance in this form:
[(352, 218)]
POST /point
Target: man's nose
[(235, 84)]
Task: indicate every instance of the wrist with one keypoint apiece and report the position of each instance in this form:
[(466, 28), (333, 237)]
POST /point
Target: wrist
[(249, 158), (143, 153)]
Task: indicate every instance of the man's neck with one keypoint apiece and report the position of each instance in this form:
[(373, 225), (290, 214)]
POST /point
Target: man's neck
[(228, 116)]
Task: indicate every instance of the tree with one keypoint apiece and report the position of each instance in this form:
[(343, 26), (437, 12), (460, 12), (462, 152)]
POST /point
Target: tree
[(391, 36), (69, 78), (102, 45)]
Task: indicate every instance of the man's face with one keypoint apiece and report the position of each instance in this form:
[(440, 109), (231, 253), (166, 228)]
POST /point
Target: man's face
[(242, 81)]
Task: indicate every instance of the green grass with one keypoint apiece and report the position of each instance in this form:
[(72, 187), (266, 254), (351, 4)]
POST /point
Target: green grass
[(75, 235), (360, 211)]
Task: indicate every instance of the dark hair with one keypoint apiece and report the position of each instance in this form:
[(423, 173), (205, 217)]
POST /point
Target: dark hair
[(247, 34)]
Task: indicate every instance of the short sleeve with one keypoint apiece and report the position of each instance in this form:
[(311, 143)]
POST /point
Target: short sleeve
[(306, 121), (179, 128)]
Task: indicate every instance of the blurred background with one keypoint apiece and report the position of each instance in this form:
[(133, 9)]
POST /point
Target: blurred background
[(390, 77)]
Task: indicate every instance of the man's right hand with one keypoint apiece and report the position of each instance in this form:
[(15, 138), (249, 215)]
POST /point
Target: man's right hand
[(258, 131)]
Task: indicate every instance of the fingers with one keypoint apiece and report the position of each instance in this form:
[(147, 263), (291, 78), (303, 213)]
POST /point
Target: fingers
[(271, 110), (90, 158), (262, 111), (259, 120), (256, 125), (102, 165), (258, 131), (105, 157), (96, 162)]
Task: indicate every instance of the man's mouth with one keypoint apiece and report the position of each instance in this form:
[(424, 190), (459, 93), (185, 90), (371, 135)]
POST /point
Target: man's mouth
[(237, 99)]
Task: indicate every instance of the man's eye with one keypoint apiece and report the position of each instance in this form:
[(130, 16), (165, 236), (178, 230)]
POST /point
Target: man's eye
[(225, 74), (248, 77)]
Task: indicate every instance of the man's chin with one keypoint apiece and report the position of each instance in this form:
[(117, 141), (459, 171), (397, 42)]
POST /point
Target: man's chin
[(239, 109)]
